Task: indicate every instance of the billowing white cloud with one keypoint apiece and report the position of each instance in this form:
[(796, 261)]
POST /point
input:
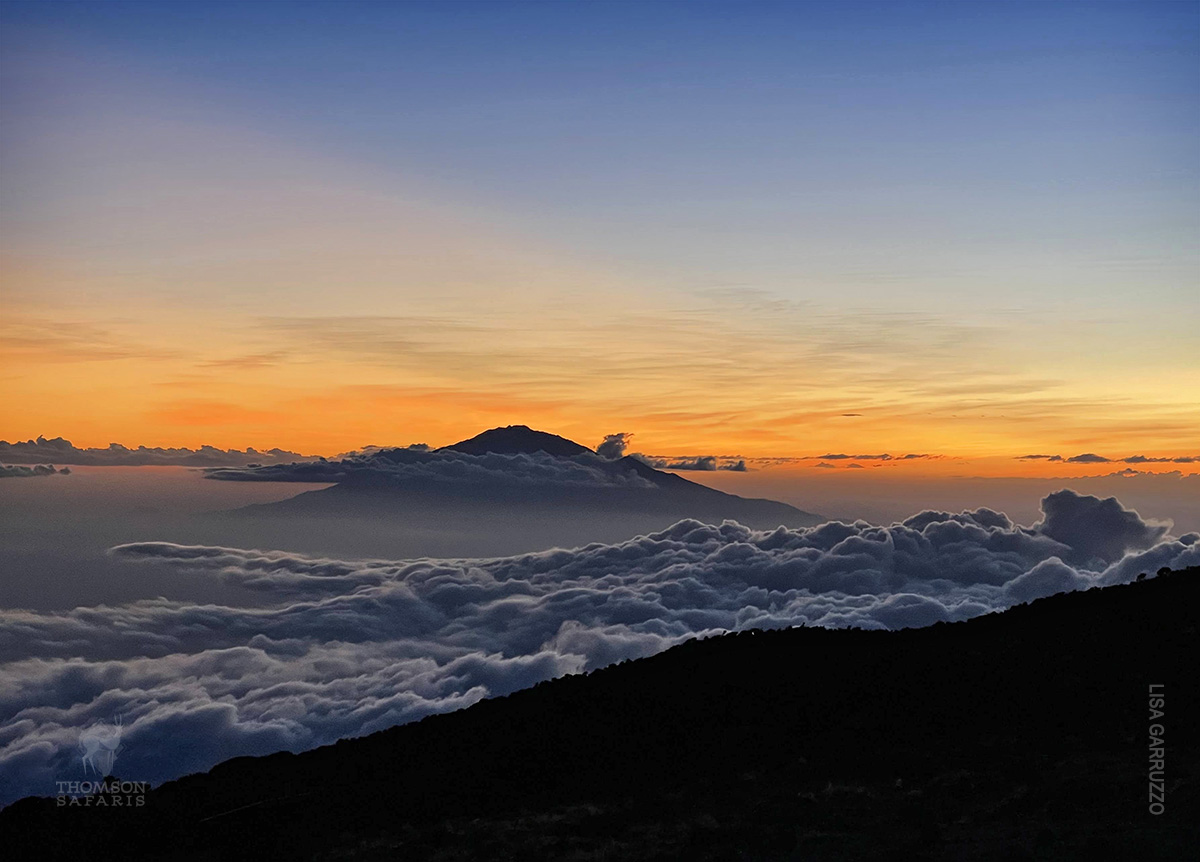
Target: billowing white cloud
[(334, 648), (1096, 530), (613, 446)]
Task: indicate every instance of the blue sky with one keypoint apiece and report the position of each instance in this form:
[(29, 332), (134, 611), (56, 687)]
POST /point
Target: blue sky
[(745, 138)]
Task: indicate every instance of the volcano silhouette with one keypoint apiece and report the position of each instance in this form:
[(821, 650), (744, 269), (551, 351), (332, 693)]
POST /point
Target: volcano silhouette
[(492, 514), (517, 440)]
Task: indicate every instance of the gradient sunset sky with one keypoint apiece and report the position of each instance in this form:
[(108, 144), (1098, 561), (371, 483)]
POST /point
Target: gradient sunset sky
[(967, 229)]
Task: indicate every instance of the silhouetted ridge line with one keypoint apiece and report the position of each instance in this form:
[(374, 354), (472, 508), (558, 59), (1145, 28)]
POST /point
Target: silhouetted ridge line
[(1008, 733), (517, 440)]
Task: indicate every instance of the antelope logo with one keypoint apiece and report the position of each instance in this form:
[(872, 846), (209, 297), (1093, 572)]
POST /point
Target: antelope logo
[(99, 745)]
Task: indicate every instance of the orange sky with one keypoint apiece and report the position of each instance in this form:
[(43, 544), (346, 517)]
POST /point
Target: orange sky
[(719, 376)]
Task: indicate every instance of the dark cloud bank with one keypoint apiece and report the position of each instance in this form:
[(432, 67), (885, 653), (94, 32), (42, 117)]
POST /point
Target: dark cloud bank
[(21, 471), (418, 464), (336, 648), (698, 462), (1093, 458), (614, 446), (60, 451)]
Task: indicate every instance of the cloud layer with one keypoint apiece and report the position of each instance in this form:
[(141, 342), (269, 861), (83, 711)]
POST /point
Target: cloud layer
[(20, 471), (60, 451), (331, 648), (1093, 458), (417, 464), (696, 462), (614, 446)]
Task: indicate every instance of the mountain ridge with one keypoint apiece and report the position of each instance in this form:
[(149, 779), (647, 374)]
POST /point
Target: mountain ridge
[(509, 475), (1017, 735), (517, 440)]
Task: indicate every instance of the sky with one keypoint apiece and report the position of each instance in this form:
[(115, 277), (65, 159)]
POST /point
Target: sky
[(764, 230)]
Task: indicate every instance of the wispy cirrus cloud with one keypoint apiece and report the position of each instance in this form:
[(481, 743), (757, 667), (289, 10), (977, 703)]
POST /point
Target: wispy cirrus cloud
[(26, 338), (246, 361), (881, 457)]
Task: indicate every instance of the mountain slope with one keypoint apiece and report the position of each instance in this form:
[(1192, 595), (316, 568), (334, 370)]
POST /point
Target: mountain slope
[(526, 488), (1019, 735), (517, 439)]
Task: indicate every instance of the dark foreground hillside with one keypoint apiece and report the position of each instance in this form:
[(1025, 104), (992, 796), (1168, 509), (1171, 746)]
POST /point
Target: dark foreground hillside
[(1022, 735)]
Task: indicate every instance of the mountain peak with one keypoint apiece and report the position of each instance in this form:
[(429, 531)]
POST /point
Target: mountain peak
[(515, 440)]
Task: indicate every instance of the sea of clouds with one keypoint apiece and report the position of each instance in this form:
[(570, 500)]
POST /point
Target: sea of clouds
[(336, 648), (419, 465)]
